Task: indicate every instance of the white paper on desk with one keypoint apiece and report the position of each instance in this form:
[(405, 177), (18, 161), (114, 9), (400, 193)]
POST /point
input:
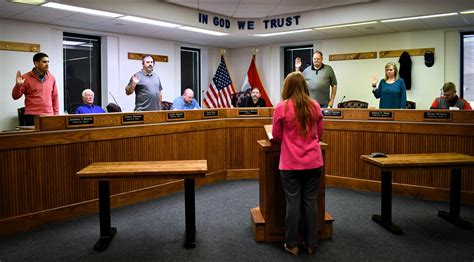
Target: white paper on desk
[(453, 108), (268, 130)]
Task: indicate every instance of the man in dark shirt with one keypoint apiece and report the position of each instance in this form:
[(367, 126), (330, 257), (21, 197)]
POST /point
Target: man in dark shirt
[(254, 100)]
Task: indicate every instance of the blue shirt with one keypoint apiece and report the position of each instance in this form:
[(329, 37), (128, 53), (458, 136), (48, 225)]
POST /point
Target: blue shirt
[(89, 109), (180, 104), (392, 95)]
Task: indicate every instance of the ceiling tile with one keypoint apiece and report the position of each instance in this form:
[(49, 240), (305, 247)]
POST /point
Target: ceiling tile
[(288, 9), (9, 9), (193, 5), (446, 22), (340, 32), (411, 25), (225, 9), (47, 12), (469, 18), (219, 2), (85, 18), (373, 29)]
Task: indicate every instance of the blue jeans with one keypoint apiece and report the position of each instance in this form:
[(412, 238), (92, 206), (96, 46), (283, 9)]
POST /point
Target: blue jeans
[(301, 197)]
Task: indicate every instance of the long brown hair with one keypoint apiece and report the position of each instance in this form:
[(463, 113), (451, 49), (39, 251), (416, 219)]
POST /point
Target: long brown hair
[(296, 89)]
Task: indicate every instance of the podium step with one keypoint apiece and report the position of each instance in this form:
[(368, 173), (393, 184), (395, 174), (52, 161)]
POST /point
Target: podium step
[(259, 226)]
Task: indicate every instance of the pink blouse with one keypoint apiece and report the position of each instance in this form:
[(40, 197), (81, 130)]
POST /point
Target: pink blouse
[(297, 152)]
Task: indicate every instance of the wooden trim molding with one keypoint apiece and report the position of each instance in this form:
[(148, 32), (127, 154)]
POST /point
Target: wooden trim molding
[(411, 52), (353, 56), (20, 47), (139, 56)]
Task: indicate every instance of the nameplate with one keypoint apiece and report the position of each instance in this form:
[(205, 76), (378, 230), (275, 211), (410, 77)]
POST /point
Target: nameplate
[(210, 114), (437, 116), (248, 112), (381, 114), (175, 116), (327, 113), (133, 119), (79, 121)]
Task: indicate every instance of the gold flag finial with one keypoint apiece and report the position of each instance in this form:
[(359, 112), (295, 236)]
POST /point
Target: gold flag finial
[(254, 51), (222, 51)]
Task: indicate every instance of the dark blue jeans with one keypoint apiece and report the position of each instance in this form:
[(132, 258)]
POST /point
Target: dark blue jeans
[(301, 197)]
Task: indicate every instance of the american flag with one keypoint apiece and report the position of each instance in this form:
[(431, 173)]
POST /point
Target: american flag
[(220, 89)]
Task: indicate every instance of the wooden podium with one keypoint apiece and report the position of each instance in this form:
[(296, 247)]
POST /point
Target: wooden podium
[(268, 219)]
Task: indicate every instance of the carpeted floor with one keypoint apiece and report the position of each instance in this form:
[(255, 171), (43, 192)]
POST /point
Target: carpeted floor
[(154, 231)]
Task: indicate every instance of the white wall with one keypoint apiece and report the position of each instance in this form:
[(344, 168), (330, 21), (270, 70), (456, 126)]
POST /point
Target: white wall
[(116, 67), (354, 77), (50, 41)]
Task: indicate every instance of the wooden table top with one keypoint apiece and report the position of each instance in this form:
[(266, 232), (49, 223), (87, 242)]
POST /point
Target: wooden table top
[(420, 160), (144, 169)]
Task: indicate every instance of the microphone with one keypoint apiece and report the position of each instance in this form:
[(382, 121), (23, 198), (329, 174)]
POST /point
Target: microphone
[(342, 99), (110, 93), (338, 105)]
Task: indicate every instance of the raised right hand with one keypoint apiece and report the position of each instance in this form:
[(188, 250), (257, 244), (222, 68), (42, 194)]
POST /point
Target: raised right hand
[(297, 63), (19, 79), (375, 79), (135, 79)]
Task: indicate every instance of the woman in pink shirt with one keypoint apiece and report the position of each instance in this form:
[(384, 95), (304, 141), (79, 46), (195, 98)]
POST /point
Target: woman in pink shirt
[(298, 125)]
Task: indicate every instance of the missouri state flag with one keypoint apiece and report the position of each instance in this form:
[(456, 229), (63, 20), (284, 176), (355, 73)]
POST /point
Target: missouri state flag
[(220, 89), (252, 80)]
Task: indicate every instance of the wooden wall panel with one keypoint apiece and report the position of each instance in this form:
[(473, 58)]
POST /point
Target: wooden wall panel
[(42, 178), (346, 146), (37, 169), (242, 147)]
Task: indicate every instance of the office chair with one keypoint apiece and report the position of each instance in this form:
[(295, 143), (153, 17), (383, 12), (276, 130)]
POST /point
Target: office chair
[(238, 97), (21, 116), (411, 105), (165, 105), (353, 104)]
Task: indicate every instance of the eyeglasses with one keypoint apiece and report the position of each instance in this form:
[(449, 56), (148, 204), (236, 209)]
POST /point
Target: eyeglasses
[(449, 94)]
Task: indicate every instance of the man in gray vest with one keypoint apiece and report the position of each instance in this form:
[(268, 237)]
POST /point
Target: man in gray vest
[(320, 78), (147, 87)]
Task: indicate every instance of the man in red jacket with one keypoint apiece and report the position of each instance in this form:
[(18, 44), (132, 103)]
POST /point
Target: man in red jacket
[(40, 89), (449, 99)]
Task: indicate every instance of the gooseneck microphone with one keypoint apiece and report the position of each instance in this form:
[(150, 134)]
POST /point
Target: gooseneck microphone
[(110, 93)]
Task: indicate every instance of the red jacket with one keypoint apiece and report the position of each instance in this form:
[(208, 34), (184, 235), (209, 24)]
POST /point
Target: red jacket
[(40, 98)]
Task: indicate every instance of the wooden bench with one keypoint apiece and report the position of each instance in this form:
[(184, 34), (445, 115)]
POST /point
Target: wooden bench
[(179, 169), (453, 161)]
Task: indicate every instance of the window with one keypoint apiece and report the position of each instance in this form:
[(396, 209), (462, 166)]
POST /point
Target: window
[(81, 69), (467, 66), (303, 52), (191, 71)]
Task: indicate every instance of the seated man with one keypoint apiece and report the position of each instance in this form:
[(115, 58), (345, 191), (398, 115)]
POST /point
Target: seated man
[(450, 99), (186, 101), (88, 107), (254, 100)]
